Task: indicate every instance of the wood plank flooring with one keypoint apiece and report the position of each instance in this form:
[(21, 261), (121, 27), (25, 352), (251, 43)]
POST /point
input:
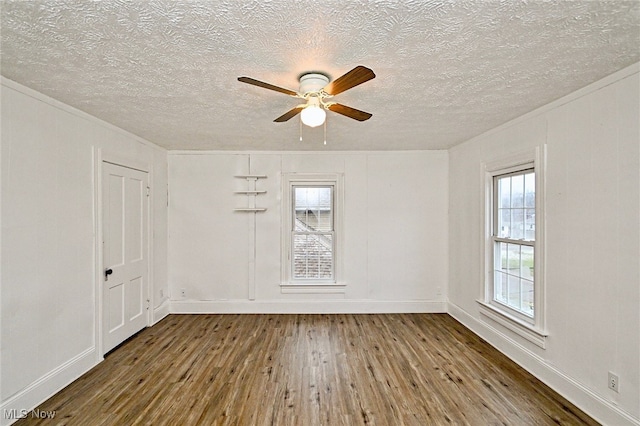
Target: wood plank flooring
[(397, 369)]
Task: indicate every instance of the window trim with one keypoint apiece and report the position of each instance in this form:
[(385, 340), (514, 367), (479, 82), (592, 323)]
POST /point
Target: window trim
[(332, 232), (288, 283), (533, 330)]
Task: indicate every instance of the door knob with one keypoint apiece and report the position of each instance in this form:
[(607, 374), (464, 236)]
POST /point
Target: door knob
[(108, 272)]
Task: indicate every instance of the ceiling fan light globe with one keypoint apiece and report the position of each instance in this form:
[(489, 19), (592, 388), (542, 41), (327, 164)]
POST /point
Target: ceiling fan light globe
[(313, 116)]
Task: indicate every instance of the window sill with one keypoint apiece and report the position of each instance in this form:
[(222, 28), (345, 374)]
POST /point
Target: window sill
[(521, 328), (315, 288)]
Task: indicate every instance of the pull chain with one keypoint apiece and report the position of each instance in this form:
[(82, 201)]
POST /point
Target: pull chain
[(325, 132), (300, 129)]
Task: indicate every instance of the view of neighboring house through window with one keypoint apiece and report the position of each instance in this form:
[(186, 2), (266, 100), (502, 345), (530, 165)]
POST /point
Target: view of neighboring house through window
[(514, 234), (313, 233)]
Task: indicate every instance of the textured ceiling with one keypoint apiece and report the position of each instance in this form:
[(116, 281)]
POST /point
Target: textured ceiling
[(446, 70)]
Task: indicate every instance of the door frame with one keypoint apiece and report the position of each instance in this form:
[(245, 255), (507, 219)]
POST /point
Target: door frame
[(102, 156)]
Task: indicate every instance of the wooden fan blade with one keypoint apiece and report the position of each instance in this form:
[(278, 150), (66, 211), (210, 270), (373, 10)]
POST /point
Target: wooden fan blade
[(356, 76), (356, 114), (289, 114), (264, 85)]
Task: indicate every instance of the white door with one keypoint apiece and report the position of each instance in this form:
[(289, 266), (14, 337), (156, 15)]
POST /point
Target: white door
[(124, 233)]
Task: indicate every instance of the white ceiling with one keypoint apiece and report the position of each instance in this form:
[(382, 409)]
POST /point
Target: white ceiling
[(446, 70)]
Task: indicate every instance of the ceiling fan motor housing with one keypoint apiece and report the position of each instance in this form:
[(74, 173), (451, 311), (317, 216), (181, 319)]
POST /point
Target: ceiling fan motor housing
[(312, 82)]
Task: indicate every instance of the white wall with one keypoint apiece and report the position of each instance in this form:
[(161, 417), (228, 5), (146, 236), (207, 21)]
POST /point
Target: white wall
[(592, 243), (395, 233), (48, 331)]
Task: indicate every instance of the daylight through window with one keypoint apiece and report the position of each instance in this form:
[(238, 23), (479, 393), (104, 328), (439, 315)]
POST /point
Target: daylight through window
[(514, 231), (313, 233)]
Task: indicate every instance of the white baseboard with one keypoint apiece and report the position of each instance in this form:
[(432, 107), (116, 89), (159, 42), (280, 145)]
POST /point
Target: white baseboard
[(46, 386), (340, 306), (161, 311), (594, 405)]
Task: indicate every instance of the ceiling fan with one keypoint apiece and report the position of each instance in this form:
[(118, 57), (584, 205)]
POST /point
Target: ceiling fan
[(316, 89)]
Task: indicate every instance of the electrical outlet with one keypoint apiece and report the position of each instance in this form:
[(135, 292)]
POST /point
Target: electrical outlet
[(183, 292), (161, 293), (614, 382)]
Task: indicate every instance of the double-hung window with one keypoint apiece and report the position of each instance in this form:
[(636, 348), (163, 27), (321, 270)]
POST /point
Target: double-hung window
[(513, 238), (514, 268), (311, 232)]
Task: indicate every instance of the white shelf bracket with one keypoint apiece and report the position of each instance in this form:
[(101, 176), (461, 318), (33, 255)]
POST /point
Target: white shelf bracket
[(251, 192)]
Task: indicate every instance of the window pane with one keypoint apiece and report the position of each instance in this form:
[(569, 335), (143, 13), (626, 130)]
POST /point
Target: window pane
[(514, 292), (504, 191), (527, 297), (530, 190), (517, 224), (526, 270), (501, 257), (500, 287), (530, 224), (312, 256), (323, 220), (504, 223), (513, 219), (313, 208), (517, 191), (513, 265), (513, 277)]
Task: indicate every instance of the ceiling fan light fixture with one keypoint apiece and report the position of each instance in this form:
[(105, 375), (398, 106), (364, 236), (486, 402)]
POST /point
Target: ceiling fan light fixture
[(313, 115), (315, 88)]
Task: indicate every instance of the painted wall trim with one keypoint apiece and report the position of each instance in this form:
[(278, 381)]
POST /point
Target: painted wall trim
[(74, 111), (48, 385), (339, 306), (591, 403)]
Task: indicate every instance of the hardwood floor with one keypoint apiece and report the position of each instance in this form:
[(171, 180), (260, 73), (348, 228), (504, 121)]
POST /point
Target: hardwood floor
[(397, 369)]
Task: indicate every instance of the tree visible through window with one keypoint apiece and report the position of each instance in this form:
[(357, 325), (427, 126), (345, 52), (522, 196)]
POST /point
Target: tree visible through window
[(313, 233), (514, 231)]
